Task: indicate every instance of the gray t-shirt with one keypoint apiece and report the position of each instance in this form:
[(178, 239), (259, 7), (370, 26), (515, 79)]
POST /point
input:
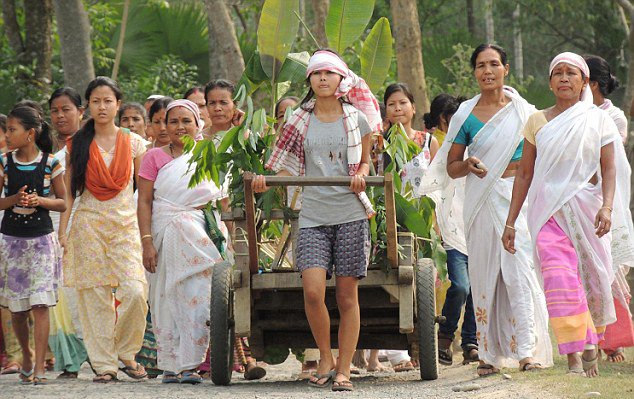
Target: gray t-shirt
[(326, 154)]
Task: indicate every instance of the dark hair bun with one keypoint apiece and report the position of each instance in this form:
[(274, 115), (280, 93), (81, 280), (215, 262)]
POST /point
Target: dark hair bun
[(613, 83), (430, 122)]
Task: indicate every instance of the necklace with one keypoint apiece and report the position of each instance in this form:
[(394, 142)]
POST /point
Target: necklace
[(171, 150)]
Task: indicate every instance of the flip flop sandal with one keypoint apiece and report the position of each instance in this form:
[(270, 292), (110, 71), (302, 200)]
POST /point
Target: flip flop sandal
[(329, 376), (445, 353), (11, 368), (103, 378), (342, 386), (137, 373), (190, 377), (493, 372), (470, 354), (590, 364), (26, 377), (355, 371), (170, 378), (577, 371), (67, 375), (40, 380), (403, 366), (254, 372), (531, 366)]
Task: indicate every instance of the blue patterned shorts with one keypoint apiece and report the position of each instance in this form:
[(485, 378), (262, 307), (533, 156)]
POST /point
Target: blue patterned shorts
[(344, 247)]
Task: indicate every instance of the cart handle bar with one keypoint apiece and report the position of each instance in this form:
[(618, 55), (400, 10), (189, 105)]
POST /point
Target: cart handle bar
[(320, 181)]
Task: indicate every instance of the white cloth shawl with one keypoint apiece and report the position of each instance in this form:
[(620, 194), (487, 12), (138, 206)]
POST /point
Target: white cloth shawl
[(449, 194), (568, 155)]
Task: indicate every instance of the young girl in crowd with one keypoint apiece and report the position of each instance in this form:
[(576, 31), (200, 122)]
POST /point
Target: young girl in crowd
[(103, 251), (327, 136), (66, 340), (157, 122), (29, 251), (133, 116)]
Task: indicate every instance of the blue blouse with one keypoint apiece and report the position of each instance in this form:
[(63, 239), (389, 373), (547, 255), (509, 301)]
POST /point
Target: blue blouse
[(471, 127)]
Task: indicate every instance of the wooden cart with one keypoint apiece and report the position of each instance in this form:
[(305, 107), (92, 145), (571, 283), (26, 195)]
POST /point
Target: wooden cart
[(398, 307)]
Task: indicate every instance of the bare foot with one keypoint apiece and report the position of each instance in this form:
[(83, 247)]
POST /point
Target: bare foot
[(615, 356)]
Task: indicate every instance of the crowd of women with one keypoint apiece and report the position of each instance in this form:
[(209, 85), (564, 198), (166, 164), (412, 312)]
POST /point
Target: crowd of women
[(106, 253)]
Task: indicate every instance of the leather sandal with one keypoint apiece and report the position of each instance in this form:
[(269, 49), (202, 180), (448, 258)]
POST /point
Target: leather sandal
[(105, 378), (445, 353), (470, 354)]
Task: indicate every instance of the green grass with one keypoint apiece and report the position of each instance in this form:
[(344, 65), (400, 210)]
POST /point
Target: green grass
[(615, 380)]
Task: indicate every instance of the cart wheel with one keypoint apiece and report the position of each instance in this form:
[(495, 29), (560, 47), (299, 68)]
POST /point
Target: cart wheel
[(222, 324), (426, 319)]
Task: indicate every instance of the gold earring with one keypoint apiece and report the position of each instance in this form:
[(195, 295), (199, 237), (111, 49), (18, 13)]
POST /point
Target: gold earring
[(29, 139)]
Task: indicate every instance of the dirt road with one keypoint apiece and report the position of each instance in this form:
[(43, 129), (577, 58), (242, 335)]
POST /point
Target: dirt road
[(280, 383)]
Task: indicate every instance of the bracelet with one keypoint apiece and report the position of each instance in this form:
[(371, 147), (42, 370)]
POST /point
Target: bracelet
[(606, 207), (146, 236), (61, 236), (509, 227)]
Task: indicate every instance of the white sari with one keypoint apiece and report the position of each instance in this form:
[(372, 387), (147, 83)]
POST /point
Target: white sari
[(509, 303), (180, 289), (561, 189)]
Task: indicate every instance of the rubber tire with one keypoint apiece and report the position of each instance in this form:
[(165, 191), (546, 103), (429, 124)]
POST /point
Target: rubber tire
[(222, 325), (426, 319)]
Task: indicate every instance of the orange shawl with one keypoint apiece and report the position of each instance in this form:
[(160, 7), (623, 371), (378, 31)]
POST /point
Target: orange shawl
[(106, 182)]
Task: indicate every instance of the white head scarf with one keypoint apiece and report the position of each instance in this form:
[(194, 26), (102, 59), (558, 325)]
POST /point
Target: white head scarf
[(577, 61)]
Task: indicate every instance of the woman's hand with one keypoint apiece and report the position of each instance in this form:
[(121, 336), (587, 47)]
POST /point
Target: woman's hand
[(508, 239), (472, 167), (149, 256), (603, 221), (33, 200), (21, 198), (357, 185), (61, 238), (238, 117), (258, 184)]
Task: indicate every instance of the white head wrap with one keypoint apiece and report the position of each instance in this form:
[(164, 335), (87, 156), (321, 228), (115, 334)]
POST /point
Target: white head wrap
[(577, 61)]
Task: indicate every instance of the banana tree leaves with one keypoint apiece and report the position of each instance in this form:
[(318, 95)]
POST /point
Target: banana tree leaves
[(376, 54), (277, 31), (294, 68), (254, 70), (346, 21)]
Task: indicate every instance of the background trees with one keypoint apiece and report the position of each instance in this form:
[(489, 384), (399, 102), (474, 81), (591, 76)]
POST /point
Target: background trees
[(169, 44)]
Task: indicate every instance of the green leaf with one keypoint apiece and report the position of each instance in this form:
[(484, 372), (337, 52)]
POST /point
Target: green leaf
[(227, 139), (259, 122), (376, 54), (294, 68), (408, 216), (253, 69), (277, 31), (346, 21)]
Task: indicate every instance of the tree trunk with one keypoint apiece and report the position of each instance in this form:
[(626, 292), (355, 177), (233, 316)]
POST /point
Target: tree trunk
[(488, 21), (518, 51), (119, 53), (73, 28), (38, 42), (225, 56), (471, 19), (11, 27), (628, 6), (320, 10), (409, 54)]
